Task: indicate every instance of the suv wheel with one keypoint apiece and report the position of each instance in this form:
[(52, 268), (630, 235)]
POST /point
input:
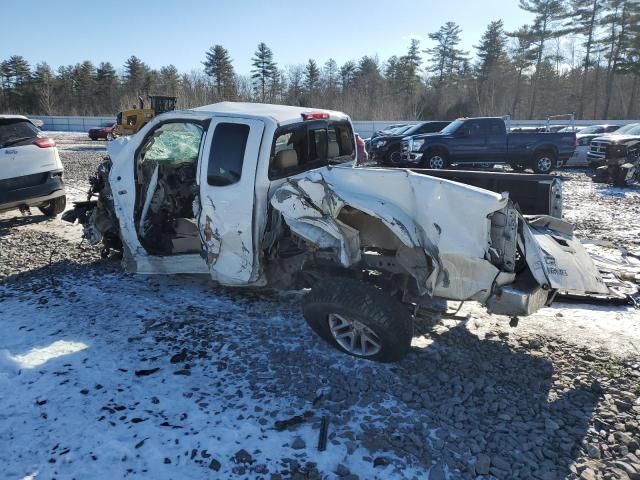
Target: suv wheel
[(436, 160), (544, 162), (394, 156), (54, 207), (374, 327)]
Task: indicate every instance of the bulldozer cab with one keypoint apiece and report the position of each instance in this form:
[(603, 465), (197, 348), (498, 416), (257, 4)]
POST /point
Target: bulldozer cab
[(130, 121), (161, 103)]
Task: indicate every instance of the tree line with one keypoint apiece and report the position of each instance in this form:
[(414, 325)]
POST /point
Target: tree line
[(579, 56)]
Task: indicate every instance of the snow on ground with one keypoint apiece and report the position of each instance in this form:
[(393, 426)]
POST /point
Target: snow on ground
[(109, 375), (72, 403)]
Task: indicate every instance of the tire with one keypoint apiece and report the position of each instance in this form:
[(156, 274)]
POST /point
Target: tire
[(393, 157), (435, 160), (337, 306), (544, 162), (620, 178), (93, 139), (54, 207)]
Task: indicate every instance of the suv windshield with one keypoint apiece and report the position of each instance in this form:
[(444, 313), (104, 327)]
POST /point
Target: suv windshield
[(631, 129), (413, 129), (399, 130), (15, 130)]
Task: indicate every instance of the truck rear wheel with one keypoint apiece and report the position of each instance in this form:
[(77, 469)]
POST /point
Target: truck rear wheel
[(359, 319), (54, 207), (544, 162), (435, 160)]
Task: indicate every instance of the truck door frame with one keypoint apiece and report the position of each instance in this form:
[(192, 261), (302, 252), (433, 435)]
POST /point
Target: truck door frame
[(226, 216)]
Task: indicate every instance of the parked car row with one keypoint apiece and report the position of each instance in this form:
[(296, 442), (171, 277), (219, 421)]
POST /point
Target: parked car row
[(488, 141)]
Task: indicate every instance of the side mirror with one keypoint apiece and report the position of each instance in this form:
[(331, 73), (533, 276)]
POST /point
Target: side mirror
[(463, 132)]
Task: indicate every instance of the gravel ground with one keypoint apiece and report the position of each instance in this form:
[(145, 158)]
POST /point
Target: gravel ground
[(182, 379)]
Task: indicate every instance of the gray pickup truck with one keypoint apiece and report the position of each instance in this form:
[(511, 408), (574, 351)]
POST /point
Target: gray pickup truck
[(486, 140)]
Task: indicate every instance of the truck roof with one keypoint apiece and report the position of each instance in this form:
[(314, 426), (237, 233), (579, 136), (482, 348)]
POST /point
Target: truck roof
[(21, 117), (282, 114)]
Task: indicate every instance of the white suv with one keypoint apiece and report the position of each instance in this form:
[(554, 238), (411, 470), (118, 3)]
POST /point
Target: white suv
[(30, 168)]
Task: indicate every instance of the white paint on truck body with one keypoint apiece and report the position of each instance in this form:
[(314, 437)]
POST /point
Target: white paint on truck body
[(443, 227), (448, 220)]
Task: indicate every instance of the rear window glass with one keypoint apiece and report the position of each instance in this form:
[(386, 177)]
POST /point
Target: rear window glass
[(14, 132), (227, 153), (305, 146)]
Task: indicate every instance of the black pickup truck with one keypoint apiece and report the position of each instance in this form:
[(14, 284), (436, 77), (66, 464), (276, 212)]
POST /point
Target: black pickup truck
[(485, 140)]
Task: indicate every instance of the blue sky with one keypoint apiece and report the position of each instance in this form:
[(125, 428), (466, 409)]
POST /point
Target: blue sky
[(179, 32)]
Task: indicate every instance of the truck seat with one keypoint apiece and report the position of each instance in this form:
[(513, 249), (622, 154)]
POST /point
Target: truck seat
[(333, 150), (285, 159)]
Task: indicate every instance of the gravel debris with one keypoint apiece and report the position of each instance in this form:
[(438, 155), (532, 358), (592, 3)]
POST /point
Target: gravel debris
[(214, 369)]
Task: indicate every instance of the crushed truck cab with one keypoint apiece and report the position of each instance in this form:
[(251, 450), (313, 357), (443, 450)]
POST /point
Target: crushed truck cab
[(269, 195)]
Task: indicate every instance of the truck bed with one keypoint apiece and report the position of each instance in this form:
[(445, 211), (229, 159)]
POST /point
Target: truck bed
[(535, 194)]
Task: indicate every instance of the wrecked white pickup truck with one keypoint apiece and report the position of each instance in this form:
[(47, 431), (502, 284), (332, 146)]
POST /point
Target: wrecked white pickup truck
[(267, 195)]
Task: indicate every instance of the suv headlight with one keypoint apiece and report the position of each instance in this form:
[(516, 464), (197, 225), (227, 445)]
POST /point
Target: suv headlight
[(381, 143), (416, 145)]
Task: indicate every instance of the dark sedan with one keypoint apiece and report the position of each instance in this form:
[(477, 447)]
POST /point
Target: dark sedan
[(105, 132), (386, 149)]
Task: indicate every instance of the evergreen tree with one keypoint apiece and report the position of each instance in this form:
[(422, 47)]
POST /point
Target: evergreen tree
[(43, 84), (408, 68), (523, 57), (107, 88), (218, 66), (135, 76), (620, 23), (347, 73), (169, 80), (491, 50), (84, 86), (584, 16), (311, 76), (490, 65), (392, 73), (330, 74), (547, 15), (447, 60), (17, 79), (295, 79), (264, 70), (630, 60)]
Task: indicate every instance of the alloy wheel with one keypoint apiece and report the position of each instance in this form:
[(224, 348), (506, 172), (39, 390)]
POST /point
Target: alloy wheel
[(354, 336)]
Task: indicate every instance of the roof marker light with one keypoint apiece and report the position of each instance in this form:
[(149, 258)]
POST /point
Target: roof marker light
[(315, 116)]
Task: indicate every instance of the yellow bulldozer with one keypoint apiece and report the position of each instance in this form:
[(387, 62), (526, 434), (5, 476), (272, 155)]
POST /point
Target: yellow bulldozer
[(130, 121)]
